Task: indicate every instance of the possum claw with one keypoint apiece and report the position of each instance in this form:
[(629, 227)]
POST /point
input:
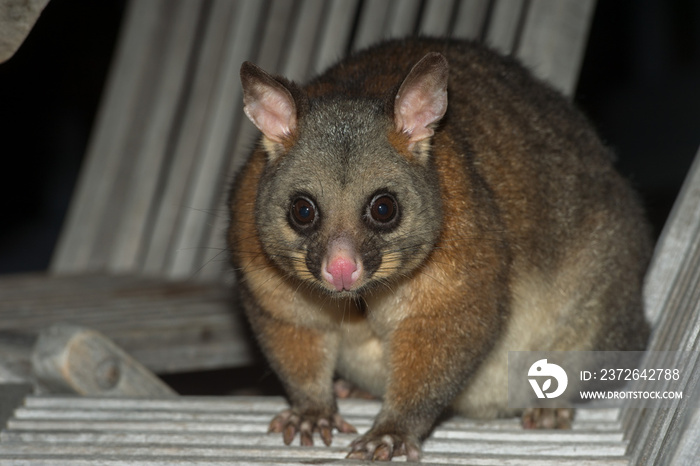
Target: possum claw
[(290, 422), (383, 447)]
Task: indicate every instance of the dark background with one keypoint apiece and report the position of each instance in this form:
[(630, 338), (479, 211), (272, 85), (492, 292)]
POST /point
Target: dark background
[(640, 85)]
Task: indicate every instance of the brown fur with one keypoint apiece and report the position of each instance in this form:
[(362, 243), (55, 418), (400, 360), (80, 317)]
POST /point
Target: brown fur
[(515, 234)]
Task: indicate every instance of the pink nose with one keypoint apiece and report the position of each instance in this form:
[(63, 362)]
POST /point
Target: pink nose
[(341, 272), (341, 267)]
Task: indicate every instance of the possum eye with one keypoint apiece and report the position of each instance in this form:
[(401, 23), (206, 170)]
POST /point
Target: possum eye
[(302, 212), (382, 210)]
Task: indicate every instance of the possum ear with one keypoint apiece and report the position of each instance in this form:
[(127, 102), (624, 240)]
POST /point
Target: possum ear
[(422, 98), (268, 104)]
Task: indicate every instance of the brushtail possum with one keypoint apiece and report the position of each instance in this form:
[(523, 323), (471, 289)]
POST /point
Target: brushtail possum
[(410, 216)]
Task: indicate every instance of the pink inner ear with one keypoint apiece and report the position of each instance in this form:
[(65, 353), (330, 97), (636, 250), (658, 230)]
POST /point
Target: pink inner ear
[(418, 108), (272, 111), (422, 98)]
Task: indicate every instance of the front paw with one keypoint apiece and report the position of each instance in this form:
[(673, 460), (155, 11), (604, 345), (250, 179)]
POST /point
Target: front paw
[(377, 446), (547, 418), (290, 421)]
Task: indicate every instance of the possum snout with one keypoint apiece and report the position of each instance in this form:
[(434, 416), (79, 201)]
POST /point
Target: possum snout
[(342, 266)]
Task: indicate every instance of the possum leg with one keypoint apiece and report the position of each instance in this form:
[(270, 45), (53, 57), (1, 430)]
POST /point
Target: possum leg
[(421, 385), (303, 358)]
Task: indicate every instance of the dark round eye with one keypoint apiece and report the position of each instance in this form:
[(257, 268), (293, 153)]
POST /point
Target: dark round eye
[(383, 208), (303, 211)]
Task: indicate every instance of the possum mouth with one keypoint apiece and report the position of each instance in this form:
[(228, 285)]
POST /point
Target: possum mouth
[(354, 293), (367, 287)]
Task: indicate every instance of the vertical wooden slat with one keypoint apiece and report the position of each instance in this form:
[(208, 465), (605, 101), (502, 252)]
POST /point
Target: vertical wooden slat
[(672, 299), (372, 24), (211, 257), (335, 37), (150, 158), (503, 25), (304, 39), (76, 246), (553, 39), (687, 450), (471, 15), (174, 203), (207, 182), (403, 17), (282, 19), (436, 18), (672, 246)]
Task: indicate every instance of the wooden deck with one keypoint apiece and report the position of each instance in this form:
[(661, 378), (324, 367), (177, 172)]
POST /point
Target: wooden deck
[(210, 431)]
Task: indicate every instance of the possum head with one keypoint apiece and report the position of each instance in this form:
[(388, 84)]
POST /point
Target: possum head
[(349, 198)]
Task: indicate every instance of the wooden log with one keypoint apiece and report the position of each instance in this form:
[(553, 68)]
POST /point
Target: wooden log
[(69, 358)]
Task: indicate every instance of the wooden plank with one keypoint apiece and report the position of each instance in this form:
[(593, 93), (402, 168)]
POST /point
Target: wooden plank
[(75, 250), (687, 449), (272, 56), (656, 432), (116, 318), (372, 24), (205, 429), (150, 158), (272, 405), (436, 18), (672, 299), (167, 326), (35, 285), (553, 39), (214, 151), (502, 31), (299, 58), (677, 239), (245, 454), (189, 435), (195, 107), (336, 33), (95, 307), (590, 423), (35, 289), (18, 318), (403, 18), (281, 16), (471, 18)]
